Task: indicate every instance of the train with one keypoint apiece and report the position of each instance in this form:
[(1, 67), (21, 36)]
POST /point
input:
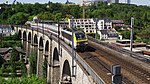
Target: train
[(79, 37)]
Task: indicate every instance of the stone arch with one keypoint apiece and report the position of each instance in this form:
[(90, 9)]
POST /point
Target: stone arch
[(29, 44), (19, 34), (29, 37), (41, 42), (56, 67), (35, 41), (47, 46), (40, 58), (24, 41), (46, 59), (66, 73), (34, 54), (24, 36), (55, 57)]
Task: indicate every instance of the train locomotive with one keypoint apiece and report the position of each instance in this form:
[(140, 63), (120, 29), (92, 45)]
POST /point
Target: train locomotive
[(79, 37)]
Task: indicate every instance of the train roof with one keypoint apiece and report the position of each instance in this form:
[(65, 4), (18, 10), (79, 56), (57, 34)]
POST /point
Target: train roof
[(69, 30)]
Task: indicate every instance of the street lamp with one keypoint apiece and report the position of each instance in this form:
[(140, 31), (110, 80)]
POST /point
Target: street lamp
[(1, 32), (2, 36), (131, 34), (59, 37), (73, 56), (43, 22), (96, 28)]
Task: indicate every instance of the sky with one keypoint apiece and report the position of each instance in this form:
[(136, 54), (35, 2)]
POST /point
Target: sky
[(138, 2)]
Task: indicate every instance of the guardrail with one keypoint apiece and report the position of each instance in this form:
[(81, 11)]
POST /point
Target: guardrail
[(119, 49), (90, 71)]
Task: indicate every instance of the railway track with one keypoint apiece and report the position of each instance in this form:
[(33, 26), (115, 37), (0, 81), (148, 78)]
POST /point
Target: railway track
[(101, 59), (100, 67)]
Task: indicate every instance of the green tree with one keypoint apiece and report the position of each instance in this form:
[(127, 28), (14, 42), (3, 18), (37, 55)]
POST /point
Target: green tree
[(58, 16), (45, 68), (45, 16), (126, 34), (144, 35), (14, 58), (19, 18), (23, 80), (33, 63)]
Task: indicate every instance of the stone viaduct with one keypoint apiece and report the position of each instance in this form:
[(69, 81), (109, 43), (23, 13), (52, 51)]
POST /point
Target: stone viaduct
[(57, 56)]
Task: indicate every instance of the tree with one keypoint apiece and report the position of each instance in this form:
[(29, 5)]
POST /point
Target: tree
[(14, 58), (58, 16), (45, 16), (19, 18), (45, 68), (33, 63), (126, 34), (145, 34)]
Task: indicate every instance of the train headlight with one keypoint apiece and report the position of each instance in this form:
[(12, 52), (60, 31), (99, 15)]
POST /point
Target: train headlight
[(78, 43), (86, 43)]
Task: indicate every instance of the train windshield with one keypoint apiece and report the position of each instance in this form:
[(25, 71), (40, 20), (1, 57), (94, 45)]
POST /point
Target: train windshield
[(80, 35)]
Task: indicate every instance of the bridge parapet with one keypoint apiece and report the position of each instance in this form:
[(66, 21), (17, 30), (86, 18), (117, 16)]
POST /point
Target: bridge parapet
[(116, 48), (90, 71)]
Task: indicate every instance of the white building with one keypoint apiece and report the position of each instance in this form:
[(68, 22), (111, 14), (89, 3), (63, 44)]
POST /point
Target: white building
[(104, 24), (89, 2), (88, 25), (104, 27)]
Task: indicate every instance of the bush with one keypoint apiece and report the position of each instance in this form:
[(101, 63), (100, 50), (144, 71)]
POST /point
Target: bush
[(18, 67), (23, 80), (11, 41), (6, 75), (33, 63), (7, 63), (8, 70)]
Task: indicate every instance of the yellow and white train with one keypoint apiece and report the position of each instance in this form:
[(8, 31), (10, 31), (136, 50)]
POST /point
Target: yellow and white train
[(79, 37)]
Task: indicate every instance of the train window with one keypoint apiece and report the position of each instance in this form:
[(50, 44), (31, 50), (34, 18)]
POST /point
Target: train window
[(86, 25), (148, 47), (80, 35)]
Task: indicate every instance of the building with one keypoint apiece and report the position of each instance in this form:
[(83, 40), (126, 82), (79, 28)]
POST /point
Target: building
[(108, 35), (88, 2), (94, 0), (128, 1), (6, 30), (103, 28), (89, 25), (126, 43), (5, 53), (117, 23), (104, 24), (113, 1)]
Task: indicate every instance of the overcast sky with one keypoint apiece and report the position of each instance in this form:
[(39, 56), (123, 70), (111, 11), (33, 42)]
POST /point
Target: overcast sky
[(138, 2)]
